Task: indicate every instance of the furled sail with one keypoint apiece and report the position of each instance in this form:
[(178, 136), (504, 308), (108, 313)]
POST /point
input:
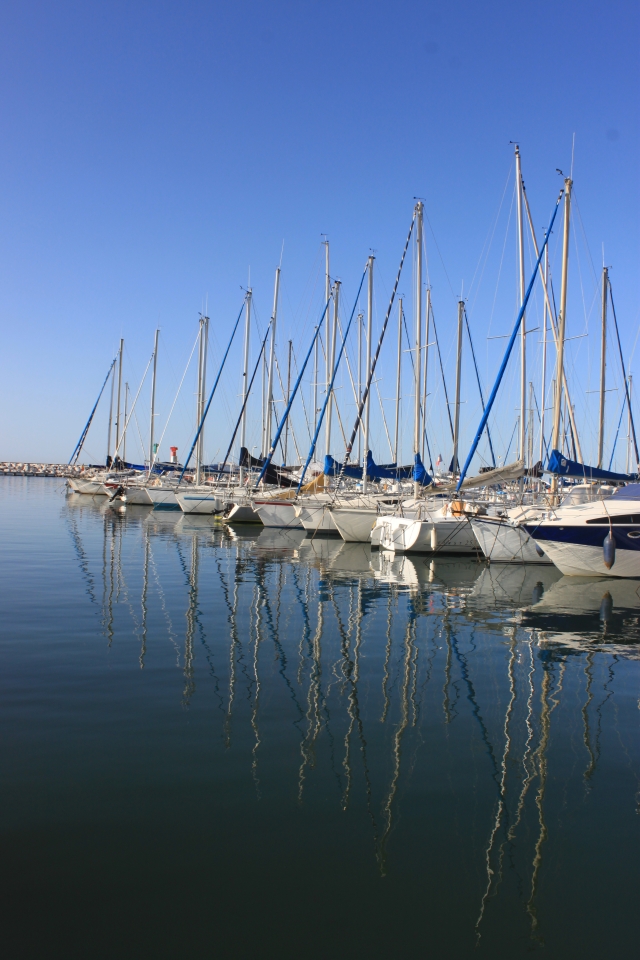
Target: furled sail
[(510, 471), (564, 467)]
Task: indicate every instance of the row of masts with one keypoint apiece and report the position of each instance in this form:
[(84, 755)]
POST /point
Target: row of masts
[(420, 363)]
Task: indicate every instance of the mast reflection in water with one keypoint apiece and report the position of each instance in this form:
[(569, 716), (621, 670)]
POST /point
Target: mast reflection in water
[(244, 739)]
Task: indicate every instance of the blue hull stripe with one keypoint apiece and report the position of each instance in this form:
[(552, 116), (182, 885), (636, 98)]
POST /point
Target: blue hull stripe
[(626, 537)]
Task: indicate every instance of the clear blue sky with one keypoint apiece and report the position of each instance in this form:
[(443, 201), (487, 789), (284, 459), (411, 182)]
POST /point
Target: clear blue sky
[(152, 152)]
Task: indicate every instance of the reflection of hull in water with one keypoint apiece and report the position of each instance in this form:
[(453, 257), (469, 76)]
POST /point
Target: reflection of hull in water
[(248, 532), (194, 522), (449, 572), (283, 540), (319, 548), (501, 542), (352, 558), (585, 596), (76, 501), (516, 585)]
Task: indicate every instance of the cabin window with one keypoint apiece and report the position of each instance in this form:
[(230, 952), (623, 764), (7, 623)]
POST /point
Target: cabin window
[(621, 519)]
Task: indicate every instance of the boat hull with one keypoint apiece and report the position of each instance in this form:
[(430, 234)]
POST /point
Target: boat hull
[(501, 542), (163, 498), (316, 517), (90, 488), (278, 513), (202, 502), (138, 496), (446, 535), (354, 524), (584, 560), (242, 513)]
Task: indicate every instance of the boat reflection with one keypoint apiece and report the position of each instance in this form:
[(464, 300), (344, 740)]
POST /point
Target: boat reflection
[(369, 659)]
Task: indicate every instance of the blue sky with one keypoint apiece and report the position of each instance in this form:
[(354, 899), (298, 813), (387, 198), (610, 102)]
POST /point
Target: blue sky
[(153, 153)]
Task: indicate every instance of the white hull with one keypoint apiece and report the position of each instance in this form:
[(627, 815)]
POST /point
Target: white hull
[(242, 513), (91, 488), (316, 516), (199, 501), (437, 535), (278, 513), (577, 560), (354, 524), (501, 542), (163, 497), (137, 496)]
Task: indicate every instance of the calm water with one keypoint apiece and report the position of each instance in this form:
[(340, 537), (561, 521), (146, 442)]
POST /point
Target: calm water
[(223, 743)]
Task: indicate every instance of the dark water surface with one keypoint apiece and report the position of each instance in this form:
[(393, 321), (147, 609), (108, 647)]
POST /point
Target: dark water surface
[(221, 743)]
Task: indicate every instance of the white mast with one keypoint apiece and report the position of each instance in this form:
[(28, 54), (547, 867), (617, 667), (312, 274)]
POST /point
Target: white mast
[(266, 438), (544, 354), (113, 384), (327, 326), (124, 433), (456, 420), (360, 321), (629, 433), (199, 398), (418, 358), (562, 323), (603, 363), (153, 402), (245, 377), (523, 332), (426, 367), (397, 431), (367, 406), (118, 422), (336, 298)]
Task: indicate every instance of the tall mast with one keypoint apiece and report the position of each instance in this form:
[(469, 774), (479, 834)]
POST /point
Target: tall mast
[(397, 430), (603, 361), (315, 381), (113, 384), (336, 298), (199, 399), (418, 360), (327, 326), (266, 438), (153, 402), (544, 355), (523, 332), (629, 427), (118, 421), (245, 378), (367, 407), (124, 433), (554, 331), (426, 368), (360, 321), (562, 323), (455, 467), (286, 430)]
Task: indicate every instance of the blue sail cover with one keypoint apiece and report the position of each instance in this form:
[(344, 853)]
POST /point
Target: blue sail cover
[(564, 467), (420, 474), (387, 471), (333, 469)]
